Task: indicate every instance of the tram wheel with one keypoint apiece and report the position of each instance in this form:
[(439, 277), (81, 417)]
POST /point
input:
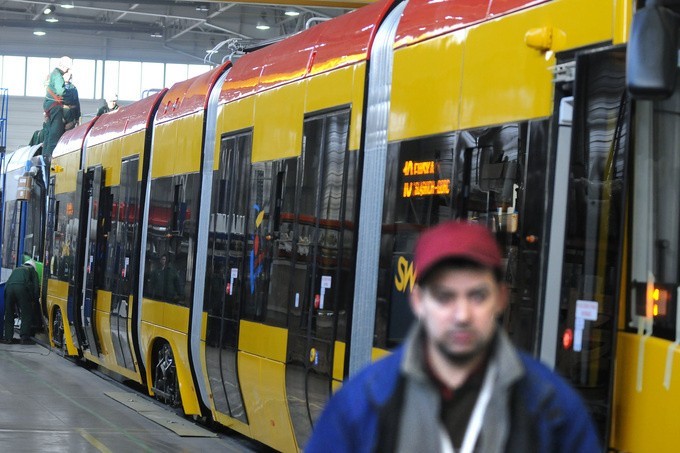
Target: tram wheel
[(165, 382), (58, 331)]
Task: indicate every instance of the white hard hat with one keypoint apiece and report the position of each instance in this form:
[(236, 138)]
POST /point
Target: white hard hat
[(30, 263), (65, 63)]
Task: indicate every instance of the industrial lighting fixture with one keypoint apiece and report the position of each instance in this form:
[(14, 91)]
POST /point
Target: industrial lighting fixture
[(52, 19), (292, 13), (156, 34), (202, 8), (39, 33), (48, 9), (262, 23), (67, 5)]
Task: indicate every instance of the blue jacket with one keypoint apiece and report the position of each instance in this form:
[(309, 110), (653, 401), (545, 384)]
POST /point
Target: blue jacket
[(547, 415)]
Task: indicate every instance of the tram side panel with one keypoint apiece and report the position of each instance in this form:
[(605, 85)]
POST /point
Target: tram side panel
[(114, 252), (281, 237), (267, 241), (246, 336), (480, 143), (171, 240), (24, 213), (62, 238)]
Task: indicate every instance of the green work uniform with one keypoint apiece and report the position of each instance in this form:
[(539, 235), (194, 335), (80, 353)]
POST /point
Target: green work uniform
[(22, 290), (53, 106)]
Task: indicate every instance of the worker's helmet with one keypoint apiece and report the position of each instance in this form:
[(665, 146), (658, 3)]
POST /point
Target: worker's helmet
[(65, 63)]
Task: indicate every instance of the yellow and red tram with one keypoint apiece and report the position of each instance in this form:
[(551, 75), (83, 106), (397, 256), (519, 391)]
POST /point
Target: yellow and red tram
[(240, 243)]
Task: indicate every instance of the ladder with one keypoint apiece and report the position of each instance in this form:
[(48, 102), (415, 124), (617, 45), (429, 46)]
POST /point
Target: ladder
[(4, 100)]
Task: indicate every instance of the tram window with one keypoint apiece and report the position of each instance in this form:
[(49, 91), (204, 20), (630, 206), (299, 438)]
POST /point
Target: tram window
[(52, 225), (103, 255), (472, 175), (225, 258), (11, 237), (346, 249), (171, 238), (259, 304), (120, 228), (127, 225), (63, 239), (324, 239), (282, 269), (33, 243), (419, 191)]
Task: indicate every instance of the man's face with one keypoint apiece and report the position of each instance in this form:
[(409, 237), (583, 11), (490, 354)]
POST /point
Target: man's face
[(458, 309), (164, 260)]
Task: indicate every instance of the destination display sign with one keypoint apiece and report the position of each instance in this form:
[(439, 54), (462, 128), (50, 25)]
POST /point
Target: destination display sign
[(417, 186)]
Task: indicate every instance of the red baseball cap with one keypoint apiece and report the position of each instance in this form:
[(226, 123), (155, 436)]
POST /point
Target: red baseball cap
[(456, 240)]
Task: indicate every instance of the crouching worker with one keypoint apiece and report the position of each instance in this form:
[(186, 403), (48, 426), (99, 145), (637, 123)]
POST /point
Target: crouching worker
[(457, 383), (22, 290)]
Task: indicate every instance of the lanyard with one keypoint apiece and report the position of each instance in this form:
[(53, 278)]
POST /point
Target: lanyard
[(475, 424)]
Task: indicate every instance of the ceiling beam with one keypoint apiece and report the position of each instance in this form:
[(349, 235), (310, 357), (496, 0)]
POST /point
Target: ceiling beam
[(64, 25), (346, 4)]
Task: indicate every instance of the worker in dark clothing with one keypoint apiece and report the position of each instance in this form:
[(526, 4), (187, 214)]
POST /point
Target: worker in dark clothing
[(53, 106), (39, 135), (22, 290), (110, 105), (165, 284), (71, 103)]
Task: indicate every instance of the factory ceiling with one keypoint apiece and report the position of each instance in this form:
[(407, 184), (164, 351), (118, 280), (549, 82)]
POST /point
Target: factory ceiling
[(182, 30)]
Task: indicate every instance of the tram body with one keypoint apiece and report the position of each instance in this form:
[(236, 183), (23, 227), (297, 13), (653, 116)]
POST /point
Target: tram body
[(23, 210), (241, 242)]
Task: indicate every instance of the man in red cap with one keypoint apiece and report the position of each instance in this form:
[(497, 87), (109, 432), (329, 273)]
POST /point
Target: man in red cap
[(457, 384)]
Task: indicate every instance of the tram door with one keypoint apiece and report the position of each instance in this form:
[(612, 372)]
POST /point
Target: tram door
[(225, 268), (119, 227), (321, 251), (580, 312), (94, 246)]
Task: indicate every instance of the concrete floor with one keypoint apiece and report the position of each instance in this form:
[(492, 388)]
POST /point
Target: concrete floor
[(50, 404)]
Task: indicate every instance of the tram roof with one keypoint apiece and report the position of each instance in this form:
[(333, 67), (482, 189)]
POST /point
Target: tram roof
[(125, 120), (424, 19), (189, 96), (17, 159), (72, 140), (333, 44)]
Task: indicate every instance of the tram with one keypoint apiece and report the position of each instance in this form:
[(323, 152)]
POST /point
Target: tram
[(240, 243), (23, 212)]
